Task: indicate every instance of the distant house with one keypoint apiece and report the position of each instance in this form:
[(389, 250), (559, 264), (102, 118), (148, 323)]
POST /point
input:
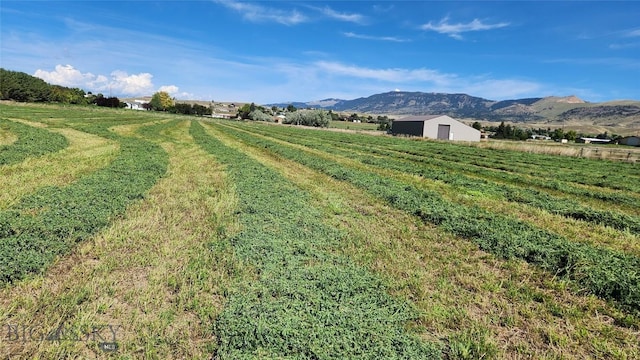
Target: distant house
[(540, 137), (630, 140), (586, 140), (136, 105), (441, 127), (221, 116)]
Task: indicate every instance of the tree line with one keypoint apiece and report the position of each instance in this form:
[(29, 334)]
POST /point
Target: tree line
[(510, 132)]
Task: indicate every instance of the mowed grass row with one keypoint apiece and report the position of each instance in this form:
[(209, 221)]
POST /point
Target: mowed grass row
[(497, 198), (51, 220), (31, 142), (531, 197), (306, 301), (476, 305), (463, 159), (158, 274), (610, 274), (493, 197), (85, 154)]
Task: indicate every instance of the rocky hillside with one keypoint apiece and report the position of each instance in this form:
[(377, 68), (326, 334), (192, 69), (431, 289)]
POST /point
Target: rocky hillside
[(532, 110)]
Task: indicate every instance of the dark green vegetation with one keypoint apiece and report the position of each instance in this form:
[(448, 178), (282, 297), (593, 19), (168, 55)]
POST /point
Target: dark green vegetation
[(49, 222), (607, 273), (19, 86), (306, 302), (31, 142)]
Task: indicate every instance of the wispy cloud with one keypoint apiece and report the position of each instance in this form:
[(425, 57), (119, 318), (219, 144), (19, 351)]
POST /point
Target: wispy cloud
[(621, 62), (424, 79), (633, 33), (354, 18), (456, 30), (370, 37), (619, 46), (388, 75), (259, 13)]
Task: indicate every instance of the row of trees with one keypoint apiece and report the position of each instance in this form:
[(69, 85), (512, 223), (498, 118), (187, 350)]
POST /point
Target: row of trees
[(317, 118), (19, 86), (509, 132)]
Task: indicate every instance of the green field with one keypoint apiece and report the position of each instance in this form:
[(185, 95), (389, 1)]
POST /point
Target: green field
[(183, 237)]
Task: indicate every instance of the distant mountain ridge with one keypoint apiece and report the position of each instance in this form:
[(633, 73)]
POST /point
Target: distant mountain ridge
[(546, 109)]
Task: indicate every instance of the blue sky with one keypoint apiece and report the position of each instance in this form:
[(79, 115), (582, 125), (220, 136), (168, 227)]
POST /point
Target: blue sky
[(280, 51)]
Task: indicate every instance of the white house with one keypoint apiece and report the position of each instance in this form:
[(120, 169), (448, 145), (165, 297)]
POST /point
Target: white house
[(441, 127)]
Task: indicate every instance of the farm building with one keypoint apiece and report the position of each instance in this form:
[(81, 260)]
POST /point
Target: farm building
[(440, 127), (630, 140), (586, 140)]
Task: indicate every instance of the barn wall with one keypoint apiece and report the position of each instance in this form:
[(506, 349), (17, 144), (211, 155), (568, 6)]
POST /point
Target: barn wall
[(407, 128), (459, 131)]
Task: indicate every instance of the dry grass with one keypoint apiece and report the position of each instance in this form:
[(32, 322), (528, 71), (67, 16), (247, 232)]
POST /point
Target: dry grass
[(86, 153), (154, 273), (468, 298), (7, 137), (608, 152)]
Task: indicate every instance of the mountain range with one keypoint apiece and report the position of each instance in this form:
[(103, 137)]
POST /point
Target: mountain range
[(543, 110)]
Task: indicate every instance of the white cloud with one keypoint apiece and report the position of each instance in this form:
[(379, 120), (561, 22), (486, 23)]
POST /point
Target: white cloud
[(67, 75), (119, 81), (354, 18), (259, 13), (455, 30), (124, 83), (369, 37), (171, 89)]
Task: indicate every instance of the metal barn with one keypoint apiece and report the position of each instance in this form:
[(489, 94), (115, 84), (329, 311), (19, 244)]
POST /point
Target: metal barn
[(441, 127)]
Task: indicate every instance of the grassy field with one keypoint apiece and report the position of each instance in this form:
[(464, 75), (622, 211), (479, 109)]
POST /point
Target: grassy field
[(348, 125), (176, 237)]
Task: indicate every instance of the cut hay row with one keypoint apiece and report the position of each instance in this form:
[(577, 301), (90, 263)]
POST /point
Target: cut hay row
[(31, 142), (507, 192), (157, 275), (85, 154), (51, 220), (475, 305), (305, 302), (610, 274), (469, 161)]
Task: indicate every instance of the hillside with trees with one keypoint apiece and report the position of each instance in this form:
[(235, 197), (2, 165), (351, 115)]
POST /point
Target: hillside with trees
[(19, 86)]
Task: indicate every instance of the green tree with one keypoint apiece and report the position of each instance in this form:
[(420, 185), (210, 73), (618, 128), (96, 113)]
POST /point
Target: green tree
[(258, 115), (476, 125), (557, 134), (161, 101), (244, 111), (318, 118)]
